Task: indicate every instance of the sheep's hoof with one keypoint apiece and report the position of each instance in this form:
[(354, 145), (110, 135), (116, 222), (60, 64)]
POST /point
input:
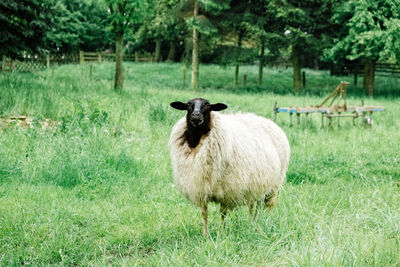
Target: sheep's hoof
[(270, 201), (205, 233)]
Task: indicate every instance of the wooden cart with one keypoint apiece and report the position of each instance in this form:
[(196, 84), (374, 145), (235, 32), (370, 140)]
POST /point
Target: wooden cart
[(338, 110)]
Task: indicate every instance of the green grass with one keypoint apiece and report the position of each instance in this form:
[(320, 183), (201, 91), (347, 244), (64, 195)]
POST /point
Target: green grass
[(98, 189)]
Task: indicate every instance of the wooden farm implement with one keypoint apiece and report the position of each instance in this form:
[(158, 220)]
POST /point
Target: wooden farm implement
[(338, 110)]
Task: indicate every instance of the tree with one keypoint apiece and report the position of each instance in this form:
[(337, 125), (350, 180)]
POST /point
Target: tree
[(231, 24), (392, 44), (77, 25), (195, 53), (23, 24), (303, 23), (198, 14), (370, 33), (249, 22), (123, 13), (161, 24), (257, 22)]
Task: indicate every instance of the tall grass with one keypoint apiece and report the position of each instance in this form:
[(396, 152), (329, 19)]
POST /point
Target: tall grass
[(98, 189)]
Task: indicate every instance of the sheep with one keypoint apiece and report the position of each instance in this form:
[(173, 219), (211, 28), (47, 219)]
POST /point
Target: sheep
[(233, 159)]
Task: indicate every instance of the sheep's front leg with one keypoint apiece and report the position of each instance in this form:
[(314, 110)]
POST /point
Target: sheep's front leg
[(251, 207), (254, 206), (204, 214)]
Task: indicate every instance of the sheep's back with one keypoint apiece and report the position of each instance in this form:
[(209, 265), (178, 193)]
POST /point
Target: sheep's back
[(270, 134), (260, 154)]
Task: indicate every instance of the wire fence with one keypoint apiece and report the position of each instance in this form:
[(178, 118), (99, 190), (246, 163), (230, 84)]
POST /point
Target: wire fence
[(31, 63)]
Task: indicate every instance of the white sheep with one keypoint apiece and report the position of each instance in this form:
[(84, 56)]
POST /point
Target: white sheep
[(230, 159)]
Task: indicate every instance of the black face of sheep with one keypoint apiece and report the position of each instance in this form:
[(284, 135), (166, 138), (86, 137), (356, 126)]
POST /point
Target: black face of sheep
[(198, 111), (197, 118)]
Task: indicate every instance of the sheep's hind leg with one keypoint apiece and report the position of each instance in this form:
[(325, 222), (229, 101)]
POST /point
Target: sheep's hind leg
[(270, 200), (258, 205), (223, 211), (254, 206), (251, 208), (204, 214)]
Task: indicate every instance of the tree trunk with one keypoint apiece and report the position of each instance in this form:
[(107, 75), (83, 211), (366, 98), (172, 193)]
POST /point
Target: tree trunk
[(195, 53), (172, 51), (157, 54), (296, 68), (369, 77), (261, 65), (236, 74), (237, 64), (118, 85), (316, 64)]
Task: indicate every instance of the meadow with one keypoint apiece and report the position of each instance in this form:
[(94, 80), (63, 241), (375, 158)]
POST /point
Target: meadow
[(97, 189)]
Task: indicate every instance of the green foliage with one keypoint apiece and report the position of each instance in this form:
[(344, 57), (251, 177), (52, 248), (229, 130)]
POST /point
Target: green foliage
[(23, 24), (161, 21), (368, 30), (78, 25), (215, 7), (126, 14), (55, 26), (205, 22), (393, 39), (99, 189), (306, 24)]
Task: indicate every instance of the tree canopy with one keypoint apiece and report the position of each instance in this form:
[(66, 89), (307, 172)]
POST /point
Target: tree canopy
[(308, 33), (369, 33), (22, 26), (78, 25)]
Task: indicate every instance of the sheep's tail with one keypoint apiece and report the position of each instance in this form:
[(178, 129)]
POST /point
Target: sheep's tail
[(270, 200)]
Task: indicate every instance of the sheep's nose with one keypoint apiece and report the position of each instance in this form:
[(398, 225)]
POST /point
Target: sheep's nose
[(196, 115), (196, 119)]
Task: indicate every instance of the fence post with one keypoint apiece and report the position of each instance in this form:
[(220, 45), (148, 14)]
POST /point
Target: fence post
[(136, 57), (81, 57), (3, 63), (355, 78), (48, 61), (244, 79), (99, 56), (90, 71)]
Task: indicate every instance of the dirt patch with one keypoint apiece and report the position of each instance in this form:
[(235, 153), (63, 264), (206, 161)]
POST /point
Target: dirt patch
[(27, 122)]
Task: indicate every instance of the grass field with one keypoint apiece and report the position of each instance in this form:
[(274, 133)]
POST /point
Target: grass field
[(98, 188)]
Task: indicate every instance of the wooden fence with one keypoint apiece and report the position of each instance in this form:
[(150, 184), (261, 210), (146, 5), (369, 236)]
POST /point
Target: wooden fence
[(99, 57), (387, 69), (37, 63), (381, 69)]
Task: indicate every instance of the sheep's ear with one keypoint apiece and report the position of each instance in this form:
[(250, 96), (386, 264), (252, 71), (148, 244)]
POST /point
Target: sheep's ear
[(179, 105), (218, 107)]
